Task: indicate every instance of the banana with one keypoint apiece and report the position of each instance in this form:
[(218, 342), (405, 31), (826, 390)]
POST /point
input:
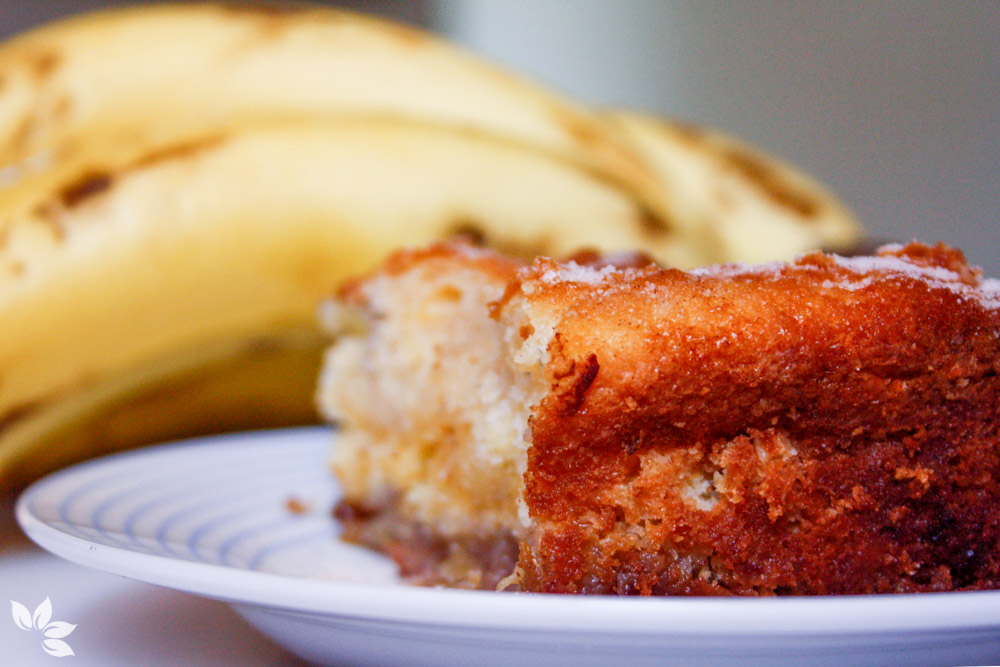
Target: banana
[(126, 269), (263, 381), (171, 66), (733, 201)]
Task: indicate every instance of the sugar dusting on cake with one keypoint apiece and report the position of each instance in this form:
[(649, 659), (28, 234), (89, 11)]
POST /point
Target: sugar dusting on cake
[(935, 267), (856, 273), (735, 269), (869, 269), (572, 272)]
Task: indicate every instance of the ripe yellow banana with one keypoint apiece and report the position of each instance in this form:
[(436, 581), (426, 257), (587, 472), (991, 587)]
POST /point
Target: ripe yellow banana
[(181, 185), (172, 66)]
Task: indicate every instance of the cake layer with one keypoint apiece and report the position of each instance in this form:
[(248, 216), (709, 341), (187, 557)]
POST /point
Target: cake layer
[(826, 426)]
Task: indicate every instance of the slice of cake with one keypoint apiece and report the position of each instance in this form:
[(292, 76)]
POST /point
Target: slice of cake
[(606, 426)]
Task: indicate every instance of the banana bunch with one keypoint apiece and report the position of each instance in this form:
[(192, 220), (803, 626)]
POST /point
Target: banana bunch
[(180, 186)]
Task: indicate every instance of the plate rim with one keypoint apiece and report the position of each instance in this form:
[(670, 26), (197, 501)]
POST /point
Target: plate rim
[(813, 616)]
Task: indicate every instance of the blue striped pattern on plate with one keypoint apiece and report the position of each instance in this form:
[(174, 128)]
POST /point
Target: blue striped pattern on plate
[(260, 503)]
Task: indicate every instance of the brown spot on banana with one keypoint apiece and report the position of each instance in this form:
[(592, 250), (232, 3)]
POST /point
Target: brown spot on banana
[(631, 170), (43, 64), (771, 183), (653, 225), (754, 169), (184, 149), (90, 184), (95, 181)]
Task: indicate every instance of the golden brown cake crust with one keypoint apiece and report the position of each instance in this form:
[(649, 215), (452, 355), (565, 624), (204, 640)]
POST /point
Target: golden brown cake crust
[(837, 418)]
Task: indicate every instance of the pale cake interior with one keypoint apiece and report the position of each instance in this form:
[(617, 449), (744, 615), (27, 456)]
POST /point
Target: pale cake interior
[(432, 400)]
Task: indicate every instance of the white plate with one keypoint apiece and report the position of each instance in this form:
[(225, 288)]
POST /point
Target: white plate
[(211, 517)]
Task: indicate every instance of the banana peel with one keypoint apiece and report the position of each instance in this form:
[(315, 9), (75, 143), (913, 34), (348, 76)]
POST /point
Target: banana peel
[(264, 382), (221, 65)]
